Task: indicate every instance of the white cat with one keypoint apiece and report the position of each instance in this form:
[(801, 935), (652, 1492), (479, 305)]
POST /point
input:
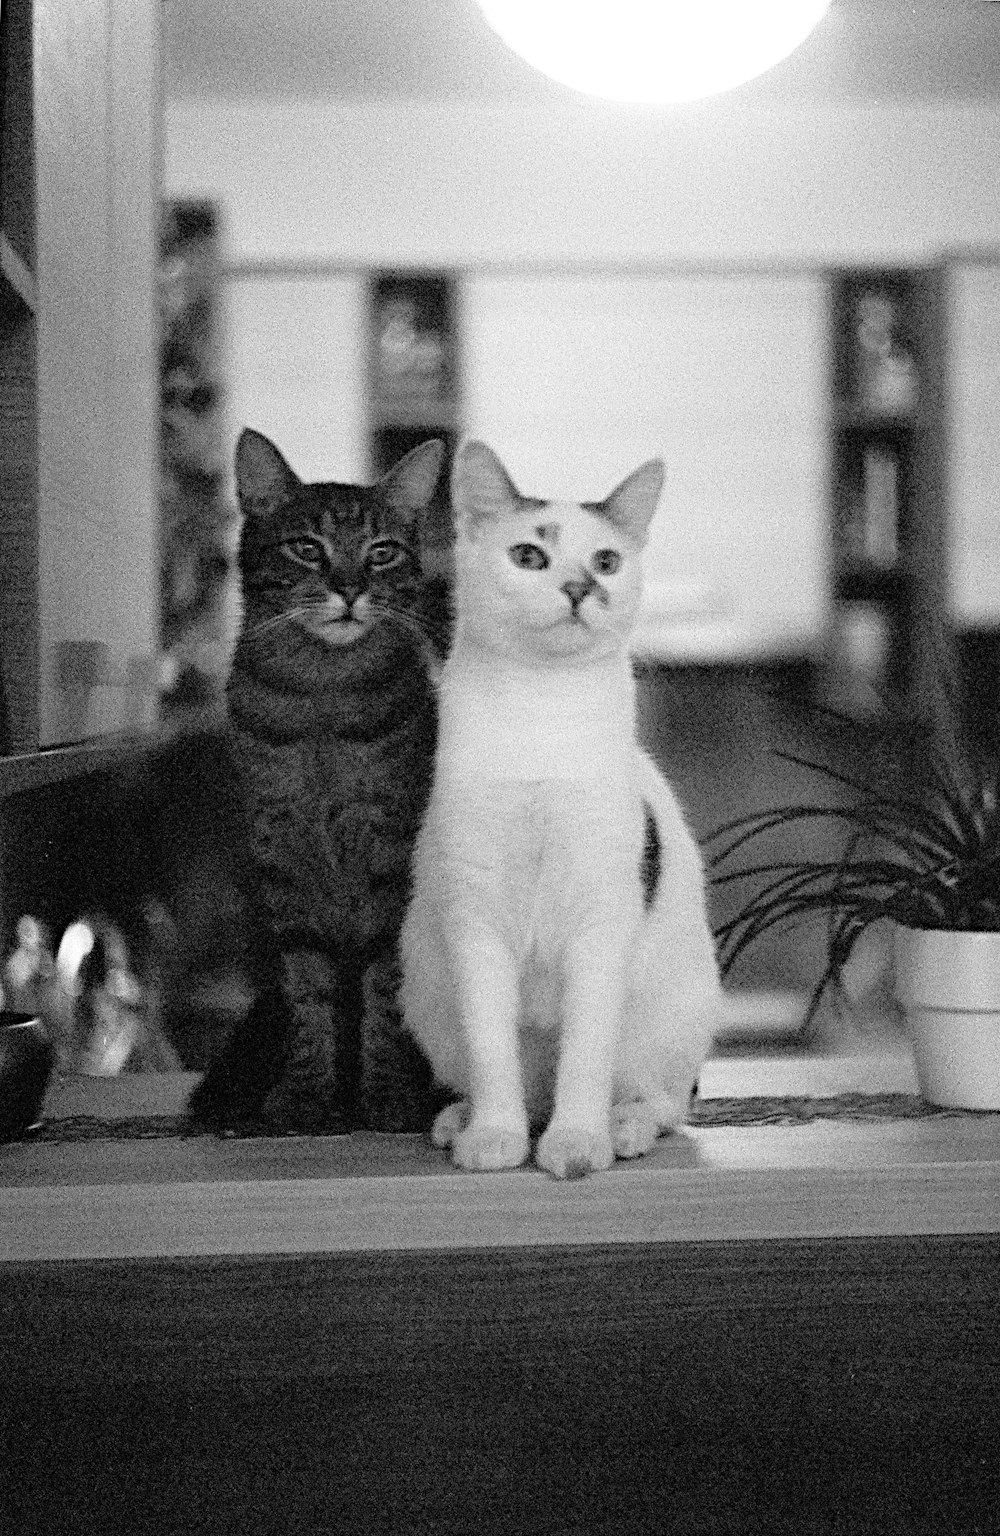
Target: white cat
[(558, 967)]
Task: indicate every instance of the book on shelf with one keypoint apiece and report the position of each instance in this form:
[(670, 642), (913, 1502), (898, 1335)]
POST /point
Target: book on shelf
[(872, 532)]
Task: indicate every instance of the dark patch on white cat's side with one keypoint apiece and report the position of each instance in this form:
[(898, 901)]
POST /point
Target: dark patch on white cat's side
[(649, 869)]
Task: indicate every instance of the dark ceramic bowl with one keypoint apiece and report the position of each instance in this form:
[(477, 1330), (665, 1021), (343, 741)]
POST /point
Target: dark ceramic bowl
[(26, 1062)]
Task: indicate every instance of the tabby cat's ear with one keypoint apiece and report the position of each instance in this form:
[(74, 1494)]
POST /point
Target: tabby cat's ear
[(631, 505), (480, 486), (264, 481), (410, 484)]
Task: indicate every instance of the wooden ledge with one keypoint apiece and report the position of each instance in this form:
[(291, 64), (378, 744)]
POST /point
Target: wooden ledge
[(56, 765), (199, 1196)]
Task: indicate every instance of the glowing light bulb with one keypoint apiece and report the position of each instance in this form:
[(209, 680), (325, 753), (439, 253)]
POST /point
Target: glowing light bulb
[(653, 50)]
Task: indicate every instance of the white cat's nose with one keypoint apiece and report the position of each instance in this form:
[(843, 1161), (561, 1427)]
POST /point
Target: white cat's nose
[(577, 590)]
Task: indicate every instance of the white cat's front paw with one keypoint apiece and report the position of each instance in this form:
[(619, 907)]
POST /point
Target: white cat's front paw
[(633, 1128), (486, 1147), (571, 1151), (450, 1122), (671, 1108)]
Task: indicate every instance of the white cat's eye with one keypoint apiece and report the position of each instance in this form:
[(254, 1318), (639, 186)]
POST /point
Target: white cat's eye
[(384, 553), (606, 562), (528, 557), (306, 551)]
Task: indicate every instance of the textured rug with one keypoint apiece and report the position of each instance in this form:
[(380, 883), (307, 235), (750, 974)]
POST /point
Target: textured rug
[(705, 1114)]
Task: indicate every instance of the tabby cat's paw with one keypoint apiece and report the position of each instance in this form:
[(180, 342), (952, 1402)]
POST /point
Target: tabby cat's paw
[(633, 1128), (210, 1109), (396, 1115), (571, 1151), (289, 1113)]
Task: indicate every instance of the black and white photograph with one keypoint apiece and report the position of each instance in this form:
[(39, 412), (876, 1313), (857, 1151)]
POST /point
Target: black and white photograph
[(500, 767)]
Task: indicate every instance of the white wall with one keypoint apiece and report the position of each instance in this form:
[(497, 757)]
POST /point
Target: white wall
[(295, 370), (492, 185), (458, 181), (575, 380)]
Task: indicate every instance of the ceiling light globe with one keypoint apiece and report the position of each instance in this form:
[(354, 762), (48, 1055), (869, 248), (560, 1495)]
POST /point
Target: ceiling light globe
[(653, 51)]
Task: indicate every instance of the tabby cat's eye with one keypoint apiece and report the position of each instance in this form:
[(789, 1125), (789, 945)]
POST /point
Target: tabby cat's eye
[(384, 553), (306, 551), (607, 562), (528, 557)]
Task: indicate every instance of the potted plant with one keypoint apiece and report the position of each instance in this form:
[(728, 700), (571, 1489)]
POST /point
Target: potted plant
[(921, 851)]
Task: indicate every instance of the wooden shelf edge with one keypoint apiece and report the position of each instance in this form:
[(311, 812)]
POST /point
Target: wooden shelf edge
[(34, 770), (200, 1196), (766, 1183), (16, 277)]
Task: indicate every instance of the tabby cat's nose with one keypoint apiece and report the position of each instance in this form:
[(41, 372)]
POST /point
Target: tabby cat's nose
[(577, 590)]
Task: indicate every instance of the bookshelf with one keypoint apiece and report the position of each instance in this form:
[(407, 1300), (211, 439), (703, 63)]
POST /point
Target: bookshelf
[(413, 375), (888, 493)]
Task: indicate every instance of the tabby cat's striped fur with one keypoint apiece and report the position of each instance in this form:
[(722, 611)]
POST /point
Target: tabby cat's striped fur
[(332, 722)]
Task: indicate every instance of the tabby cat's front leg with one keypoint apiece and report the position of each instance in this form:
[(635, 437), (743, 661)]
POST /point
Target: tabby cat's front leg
[(397, 1090), (315, 1093)]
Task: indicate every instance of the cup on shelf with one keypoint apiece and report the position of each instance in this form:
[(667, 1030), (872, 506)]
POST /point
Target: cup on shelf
[(81, 666)]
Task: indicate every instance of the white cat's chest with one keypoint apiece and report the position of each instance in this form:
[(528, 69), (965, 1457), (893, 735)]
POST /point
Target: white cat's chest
[(514, 724), (549, 856)]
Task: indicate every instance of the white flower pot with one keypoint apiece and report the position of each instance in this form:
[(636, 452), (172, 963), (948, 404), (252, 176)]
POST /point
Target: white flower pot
[(949, 987)]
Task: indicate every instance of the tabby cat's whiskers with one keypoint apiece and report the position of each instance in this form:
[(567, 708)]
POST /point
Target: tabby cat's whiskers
[(427, 632), (276, 619)]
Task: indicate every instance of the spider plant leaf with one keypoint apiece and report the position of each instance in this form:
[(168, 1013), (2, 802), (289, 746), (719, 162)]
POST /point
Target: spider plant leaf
[(909, 815)]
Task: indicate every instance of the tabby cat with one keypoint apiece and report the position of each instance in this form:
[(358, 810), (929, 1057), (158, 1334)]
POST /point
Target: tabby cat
[(332, 724), (559, 969)]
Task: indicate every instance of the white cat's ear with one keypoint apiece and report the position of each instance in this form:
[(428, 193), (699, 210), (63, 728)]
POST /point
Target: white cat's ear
[(411, 483), (631, 505), (264, 481), (481, 488)]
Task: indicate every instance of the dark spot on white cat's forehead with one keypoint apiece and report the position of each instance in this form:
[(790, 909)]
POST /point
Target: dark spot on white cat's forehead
[(548, 532)]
